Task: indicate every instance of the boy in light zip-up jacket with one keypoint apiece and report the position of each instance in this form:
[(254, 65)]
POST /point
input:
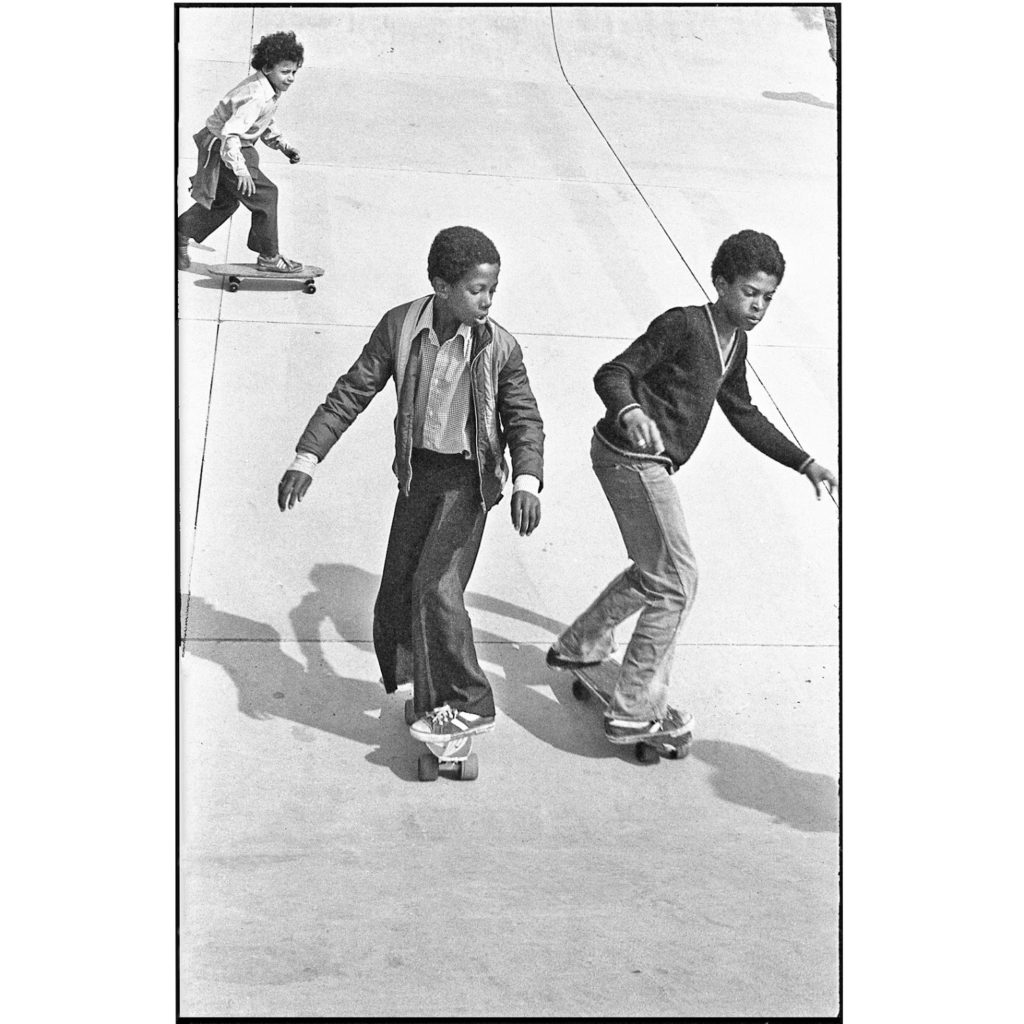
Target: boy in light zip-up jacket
[(229, 166), (658, 396), (463, 396)]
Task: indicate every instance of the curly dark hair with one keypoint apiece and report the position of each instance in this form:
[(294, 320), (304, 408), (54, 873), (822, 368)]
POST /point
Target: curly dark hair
[(745, 253), (276, 47), (456, 250)]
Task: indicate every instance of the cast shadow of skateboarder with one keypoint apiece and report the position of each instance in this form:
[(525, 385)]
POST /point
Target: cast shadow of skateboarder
[(272, 684), (806, 801), (344, 595)]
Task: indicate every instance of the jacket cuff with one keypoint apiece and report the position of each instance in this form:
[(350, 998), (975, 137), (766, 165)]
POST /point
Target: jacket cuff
[(622, 411)]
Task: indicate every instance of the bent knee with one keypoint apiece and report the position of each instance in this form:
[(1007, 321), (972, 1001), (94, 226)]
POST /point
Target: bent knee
[(676, 587)]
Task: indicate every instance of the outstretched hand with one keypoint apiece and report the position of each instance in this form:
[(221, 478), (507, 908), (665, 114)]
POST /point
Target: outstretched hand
[(819, 475), (292, 154), (525, 512), (292, 488)]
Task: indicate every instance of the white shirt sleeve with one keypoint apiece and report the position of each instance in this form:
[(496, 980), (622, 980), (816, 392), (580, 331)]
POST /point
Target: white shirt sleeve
[(526, 482), (305, 462), (231, 154)]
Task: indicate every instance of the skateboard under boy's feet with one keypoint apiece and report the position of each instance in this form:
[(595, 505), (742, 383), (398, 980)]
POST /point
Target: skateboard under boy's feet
[(456, 754), (599, 681), (236, 273)]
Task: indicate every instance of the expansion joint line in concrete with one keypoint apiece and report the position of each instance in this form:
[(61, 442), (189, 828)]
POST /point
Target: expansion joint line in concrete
[(199, 484), (611, 149), (639, 192)]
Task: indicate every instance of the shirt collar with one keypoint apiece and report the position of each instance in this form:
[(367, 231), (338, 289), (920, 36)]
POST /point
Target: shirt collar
[(426, 320), (269, 92)]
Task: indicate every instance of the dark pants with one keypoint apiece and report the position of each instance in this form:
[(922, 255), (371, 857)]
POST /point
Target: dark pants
[(197, 222), (420, 618)]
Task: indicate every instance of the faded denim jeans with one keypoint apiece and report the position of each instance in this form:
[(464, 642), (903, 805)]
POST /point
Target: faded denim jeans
[(660, 583)]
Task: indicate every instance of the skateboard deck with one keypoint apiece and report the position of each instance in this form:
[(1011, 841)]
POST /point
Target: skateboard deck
[(599, 681), (456, 754), (236, 273)]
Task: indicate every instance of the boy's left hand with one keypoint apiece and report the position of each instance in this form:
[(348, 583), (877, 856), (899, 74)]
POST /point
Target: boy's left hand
[(292, 154), (819, 475), (525, 512)]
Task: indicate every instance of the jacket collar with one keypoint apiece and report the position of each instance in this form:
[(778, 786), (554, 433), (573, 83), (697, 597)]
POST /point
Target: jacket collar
[(269, 93)]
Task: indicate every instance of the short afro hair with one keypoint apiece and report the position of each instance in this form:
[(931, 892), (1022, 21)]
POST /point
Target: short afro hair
[(744, 254), (457, 250), (273, 49)]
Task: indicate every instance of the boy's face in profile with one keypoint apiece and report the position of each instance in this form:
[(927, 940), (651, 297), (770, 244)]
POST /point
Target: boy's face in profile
[(282, 74), (745, 301), (469, 299)]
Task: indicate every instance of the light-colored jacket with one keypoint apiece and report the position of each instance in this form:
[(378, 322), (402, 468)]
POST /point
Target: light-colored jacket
[(504, 414)]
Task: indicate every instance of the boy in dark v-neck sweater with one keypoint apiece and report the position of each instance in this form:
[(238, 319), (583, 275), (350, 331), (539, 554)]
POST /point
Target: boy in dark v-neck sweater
[(658, 395)]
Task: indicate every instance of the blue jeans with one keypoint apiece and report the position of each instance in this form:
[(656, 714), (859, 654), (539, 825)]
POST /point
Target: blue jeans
[(660, 583)]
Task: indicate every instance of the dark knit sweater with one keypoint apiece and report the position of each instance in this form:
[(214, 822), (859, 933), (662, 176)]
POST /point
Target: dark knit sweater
[(674, 373)]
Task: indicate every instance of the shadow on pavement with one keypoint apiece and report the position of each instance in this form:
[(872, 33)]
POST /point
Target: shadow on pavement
[(799, 97), (345, 595), (806, 801), (272, 684)]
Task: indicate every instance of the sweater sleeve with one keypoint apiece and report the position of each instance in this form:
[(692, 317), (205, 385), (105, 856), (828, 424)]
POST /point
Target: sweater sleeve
[(750, 423), (613, 382), (350, 395)]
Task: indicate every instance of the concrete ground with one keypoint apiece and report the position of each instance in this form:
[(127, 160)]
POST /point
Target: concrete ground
[(607, 152)]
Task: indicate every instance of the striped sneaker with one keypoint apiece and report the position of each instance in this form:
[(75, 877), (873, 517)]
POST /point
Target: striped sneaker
[(628, 730), (277, 264), (445, 723)]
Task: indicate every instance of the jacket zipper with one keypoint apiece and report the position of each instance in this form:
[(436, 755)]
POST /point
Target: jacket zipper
[(476, 422)]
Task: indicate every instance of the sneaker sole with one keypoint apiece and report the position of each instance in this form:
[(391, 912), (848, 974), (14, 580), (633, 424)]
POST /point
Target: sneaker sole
[(653, 737)]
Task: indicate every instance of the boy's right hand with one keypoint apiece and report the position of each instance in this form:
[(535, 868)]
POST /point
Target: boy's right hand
[(292, 488), (246, 185), (642, 431)]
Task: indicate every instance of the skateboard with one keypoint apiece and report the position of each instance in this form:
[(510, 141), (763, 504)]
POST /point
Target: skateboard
[(236, 273), (599, 681), (456, 754)]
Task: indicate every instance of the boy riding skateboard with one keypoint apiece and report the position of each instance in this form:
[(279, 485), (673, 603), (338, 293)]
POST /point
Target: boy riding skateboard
[(658, 395), (229, 167), (463, 395)]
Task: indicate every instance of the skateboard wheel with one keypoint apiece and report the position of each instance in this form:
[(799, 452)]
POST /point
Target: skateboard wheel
[(427, 767), (470, 768), (579, 691), (681, 749), (233, 286), (646, 754), (310, 287)]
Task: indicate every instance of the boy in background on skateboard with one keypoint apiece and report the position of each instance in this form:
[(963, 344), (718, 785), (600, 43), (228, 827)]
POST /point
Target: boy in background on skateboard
[(658, 396), (229, 167), (463, 393)]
